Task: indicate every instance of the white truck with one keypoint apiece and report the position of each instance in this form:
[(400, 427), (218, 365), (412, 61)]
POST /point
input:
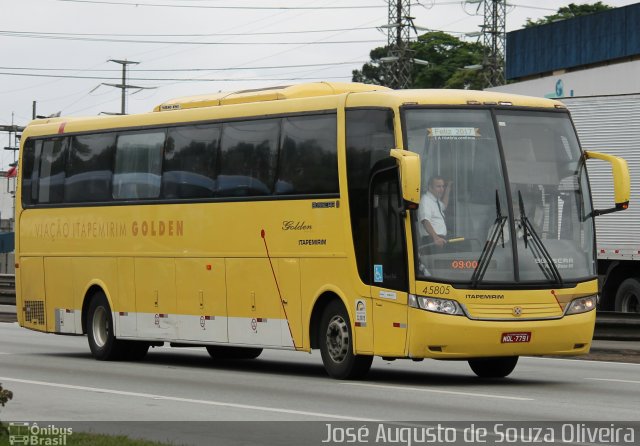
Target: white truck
[(611, 124)]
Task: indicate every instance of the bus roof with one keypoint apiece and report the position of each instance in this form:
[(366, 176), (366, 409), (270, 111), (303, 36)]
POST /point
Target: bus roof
[(394, 97), (267, 94), (323, 93)]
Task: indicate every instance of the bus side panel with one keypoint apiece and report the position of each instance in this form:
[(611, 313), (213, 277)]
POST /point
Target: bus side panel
[(126, 310), (61, 310), (87, 271), (201, 300), (289, 281), (155, 280), (334, 276), (31, 305), (255, 312)]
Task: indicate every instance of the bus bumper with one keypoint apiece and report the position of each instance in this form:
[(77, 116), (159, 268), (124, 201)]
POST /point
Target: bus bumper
[(440, 336)]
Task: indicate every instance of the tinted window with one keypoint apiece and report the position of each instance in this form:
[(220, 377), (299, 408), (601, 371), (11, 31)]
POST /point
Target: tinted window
[(89, 171), (28, 172), (248, 157), (138, 165), (52, 170), (308, 158), (190, 162), (369, 139)]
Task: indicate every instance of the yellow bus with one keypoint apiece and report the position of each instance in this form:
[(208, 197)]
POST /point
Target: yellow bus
[(297, 218)]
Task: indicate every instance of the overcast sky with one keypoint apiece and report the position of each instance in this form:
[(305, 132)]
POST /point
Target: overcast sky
[(209, 42)]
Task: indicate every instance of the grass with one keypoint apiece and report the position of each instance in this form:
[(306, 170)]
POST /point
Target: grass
[(85, 439)]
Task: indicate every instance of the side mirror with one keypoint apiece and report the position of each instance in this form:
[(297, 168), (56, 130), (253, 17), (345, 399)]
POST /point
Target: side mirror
[(621, 181), (409, 164)]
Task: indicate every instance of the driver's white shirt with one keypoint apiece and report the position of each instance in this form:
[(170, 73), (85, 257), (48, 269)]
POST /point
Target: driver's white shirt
[(428, 210)]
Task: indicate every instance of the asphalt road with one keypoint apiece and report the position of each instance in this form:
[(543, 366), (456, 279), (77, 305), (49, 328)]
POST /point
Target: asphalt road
[(54, 379)]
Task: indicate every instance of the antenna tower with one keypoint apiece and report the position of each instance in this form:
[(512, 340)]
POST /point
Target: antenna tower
[(494, 39), (399, 64)]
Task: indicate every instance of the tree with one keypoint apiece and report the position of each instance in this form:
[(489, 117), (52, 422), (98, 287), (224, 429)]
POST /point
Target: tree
[(447, 56), (568, 12), (5, 396)]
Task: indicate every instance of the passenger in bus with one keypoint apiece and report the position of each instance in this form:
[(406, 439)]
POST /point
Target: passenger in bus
[(431, 211)]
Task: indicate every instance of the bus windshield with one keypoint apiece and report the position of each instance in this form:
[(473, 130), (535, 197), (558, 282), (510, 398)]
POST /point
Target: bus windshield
[(504, 197)]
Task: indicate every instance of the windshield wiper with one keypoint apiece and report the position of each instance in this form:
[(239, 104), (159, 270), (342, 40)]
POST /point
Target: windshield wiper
[(539, 251), (490, 245)]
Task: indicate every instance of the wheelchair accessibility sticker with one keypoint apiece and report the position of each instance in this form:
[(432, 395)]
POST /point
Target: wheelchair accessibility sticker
[(377, 273)]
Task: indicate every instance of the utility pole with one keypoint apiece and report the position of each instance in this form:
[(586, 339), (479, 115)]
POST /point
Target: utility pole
[(123, 86), (398, 63), (493, 39)]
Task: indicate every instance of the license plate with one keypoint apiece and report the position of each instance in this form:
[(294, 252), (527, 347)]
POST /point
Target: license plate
[(511, 338)]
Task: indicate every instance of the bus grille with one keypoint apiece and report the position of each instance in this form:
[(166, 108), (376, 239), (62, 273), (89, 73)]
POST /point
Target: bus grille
[(507, 311), (34, 311)]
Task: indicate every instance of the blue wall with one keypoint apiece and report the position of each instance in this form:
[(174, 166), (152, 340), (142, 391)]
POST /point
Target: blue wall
[(579, 41)]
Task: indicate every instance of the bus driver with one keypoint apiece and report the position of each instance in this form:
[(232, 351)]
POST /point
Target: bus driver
[(431, 211)]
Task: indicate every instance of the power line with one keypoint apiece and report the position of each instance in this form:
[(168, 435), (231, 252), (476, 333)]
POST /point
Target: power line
[(255, 8), (181, 42), (62, 76), (311, 31), (274, 67)]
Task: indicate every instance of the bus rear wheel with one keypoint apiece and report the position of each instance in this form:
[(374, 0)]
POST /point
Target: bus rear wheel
[(102, 341), (336, 345), (222, 352), (493, 367)]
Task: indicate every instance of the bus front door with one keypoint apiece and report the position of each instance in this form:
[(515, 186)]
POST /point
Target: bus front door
[(388, 265)]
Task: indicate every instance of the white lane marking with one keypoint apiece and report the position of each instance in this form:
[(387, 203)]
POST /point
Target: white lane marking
[(446, 392), (590, 361), (186, 400), (4, 353), (614, 380)]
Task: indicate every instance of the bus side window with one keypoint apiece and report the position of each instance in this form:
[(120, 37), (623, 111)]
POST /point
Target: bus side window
[(89, 170), (52, 170), (29, 173), (138, 165), (248, 151), (190, 161), (308, 161)]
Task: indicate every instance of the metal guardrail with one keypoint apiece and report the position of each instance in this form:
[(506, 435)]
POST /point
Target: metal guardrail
[(7, 289), (614, 326), (610, 326)]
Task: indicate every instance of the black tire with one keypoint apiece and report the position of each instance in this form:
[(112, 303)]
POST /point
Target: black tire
[(628, 296), (336, 345), (493, 367), (222, 352), (135, 350), (102, 341)]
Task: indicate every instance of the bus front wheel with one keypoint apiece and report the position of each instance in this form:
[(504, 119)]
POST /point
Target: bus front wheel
[(336, 345), (493, 367), (102, 341)]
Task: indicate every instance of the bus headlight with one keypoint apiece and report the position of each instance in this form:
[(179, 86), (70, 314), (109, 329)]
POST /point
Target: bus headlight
[(446, 306), (582, 305)]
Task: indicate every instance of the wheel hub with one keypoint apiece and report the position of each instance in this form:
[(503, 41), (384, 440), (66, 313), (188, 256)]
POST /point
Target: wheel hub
[(337, 339), (100, 327)]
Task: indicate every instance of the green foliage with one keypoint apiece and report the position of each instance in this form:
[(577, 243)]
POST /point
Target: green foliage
[(447, 56), (568, 12), (5, 396)]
